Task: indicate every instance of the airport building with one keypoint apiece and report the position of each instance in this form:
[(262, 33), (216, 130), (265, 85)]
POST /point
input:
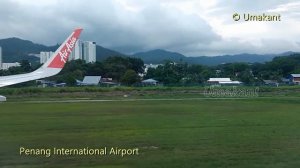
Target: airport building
[(84, 50)]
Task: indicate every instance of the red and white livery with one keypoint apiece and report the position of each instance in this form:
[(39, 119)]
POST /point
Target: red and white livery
[(52, 67)]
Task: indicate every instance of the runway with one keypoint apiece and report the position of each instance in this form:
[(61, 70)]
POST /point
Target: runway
[(126, 100)]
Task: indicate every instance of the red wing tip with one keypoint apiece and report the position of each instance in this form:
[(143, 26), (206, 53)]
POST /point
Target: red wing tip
[(78, 29)]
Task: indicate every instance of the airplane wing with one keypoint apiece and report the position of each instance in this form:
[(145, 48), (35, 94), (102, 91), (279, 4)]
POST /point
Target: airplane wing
[(52, 67)]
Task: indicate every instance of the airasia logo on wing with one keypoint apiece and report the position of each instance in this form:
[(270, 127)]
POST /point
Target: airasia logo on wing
[(67, 50), (62, 55)]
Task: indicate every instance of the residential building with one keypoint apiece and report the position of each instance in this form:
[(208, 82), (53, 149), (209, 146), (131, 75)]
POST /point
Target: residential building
[(84, 50), (6, 66), (44, 56), (89, 51), (295, 79), (77, 51)]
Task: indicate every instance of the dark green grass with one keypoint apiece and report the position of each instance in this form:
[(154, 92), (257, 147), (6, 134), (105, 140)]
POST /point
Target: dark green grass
[(31, 93), (212, 133)]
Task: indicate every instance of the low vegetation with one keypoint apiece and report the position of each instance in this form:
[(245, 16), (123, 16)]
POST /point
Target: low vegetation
[(258, 132), (125, 70)]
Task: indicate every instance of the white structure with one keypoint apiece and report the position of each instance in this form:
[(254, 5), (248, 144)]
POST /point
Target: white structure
[(89, 80), (2, 98), (219, 80), (89, 51), (224, 81), (150, 82), (0, 58), (6, 66), (44, 56), (85, 50), (77, 52), (295, 79)]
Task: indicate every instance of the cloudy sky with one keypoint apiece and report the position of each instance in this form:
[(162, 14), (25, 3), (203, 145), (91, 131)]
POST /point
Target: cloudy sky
[(191, 27)]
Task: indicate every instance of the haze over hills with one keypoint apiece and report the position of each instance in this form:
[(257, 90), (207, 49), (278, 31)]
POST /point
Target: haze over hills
[(159, 56), (15, 49)]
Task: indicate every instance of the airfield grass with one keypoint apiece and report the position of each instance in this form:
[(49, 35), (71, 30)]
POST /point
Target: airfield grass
[(116, 93), (248, 133)]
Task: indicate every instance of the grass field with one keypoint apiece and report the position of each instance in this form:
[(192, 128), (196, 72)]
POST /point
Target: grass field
[(247, 133)]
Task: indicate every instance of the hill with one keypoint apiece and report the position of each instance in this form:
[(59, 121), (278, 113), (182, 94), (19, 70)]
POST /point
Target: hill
[(159, 56), (216, 60), (15, 49), (103, 53)]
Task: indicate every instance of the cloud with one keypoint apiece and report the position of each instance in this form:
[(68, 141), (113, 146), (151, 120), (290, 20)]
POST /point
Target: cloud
[(192, 27), (152, 26)]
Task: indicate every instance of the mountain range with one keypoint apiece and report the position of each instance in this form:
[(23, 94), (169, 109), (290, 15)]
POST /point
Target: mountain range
[(159, 56), (15, 49)]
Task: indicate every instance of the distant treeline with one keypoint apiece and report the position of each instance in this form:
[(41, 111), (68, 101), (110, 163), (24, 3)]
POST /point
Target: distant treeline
[(127, 70), (249, 74)]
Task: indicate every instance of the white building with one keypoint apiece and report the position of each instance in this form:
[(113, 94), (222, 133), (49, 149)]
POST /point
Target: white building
[(77, 52), (150, 82), (6, 66), (89, 80), (85, 50), (223, 81), (295, 79), (44, 56), (89, 51), (0, 58)]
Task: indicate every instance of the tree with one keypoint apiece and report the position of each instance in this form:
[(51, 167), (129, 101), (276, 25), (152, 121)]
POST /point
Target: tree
[(180, 73), (136, 64), (115, 67), (96, 69), (25, 65), (130, 77), (151, 73)]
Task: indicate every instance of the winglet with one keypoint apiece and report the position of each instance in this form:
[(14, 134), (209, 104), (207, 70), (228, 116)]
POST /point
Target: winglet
[(52, 67), (62, 54)]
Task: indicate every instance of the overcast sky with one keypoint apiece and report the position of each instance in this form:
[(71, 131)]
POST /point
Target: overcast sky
[(191, 27)]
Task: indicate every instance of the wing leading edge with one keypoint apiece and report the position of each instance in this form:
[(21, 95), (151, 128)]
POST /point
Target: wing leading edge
[(52, 67)]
